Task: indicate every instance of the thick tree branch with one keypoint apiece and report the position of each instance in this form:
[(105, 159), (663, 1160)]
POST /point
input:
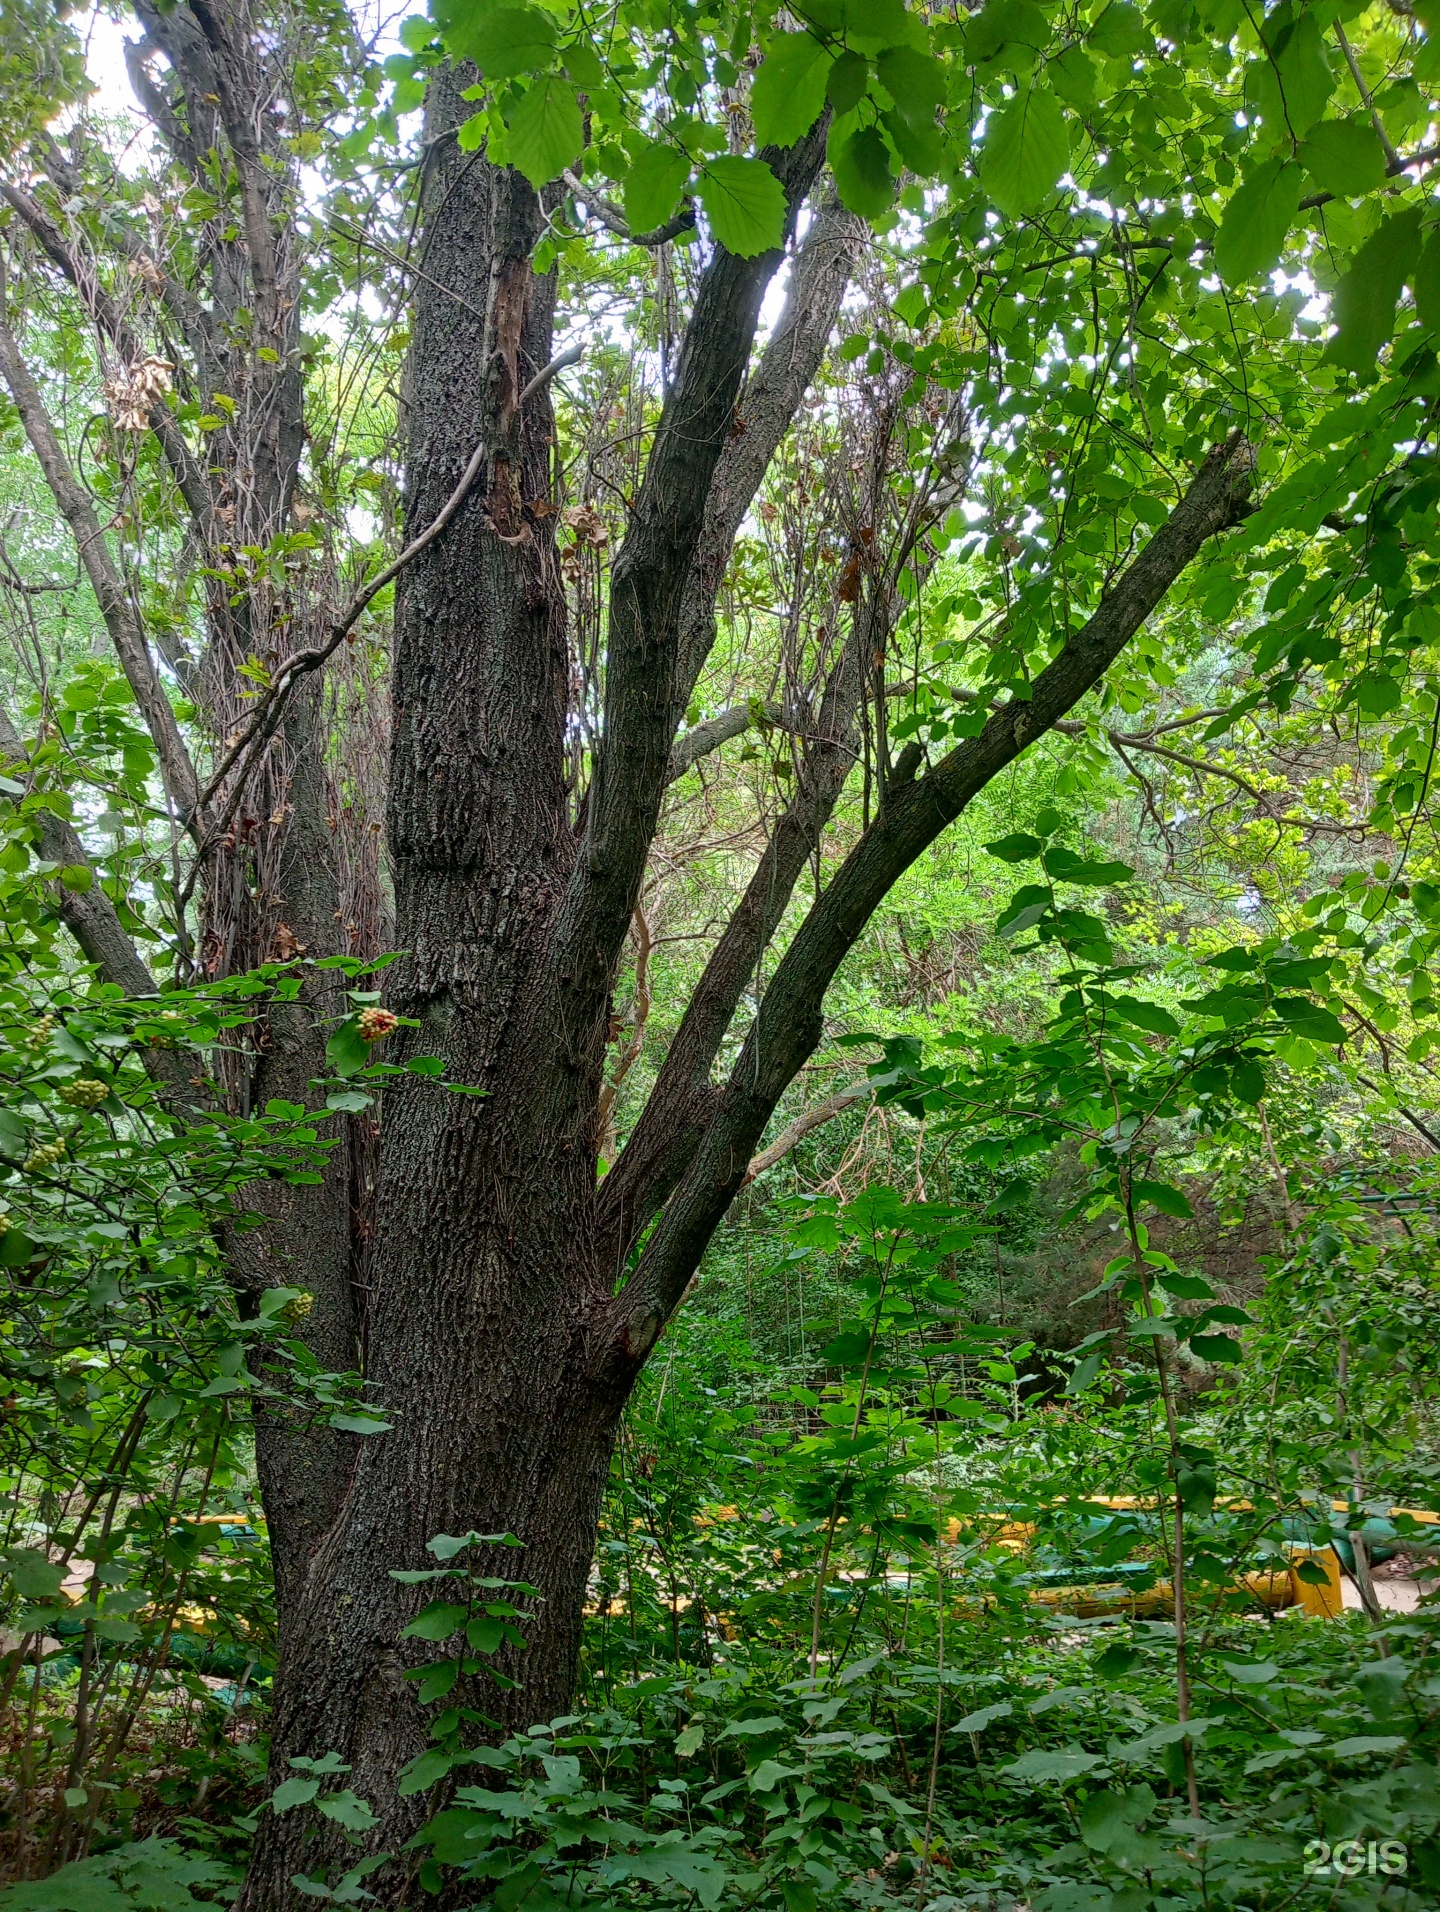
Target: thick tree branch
[(787, 367), (683, 1099), (126, 634), (687, 750), (788, 1026), (805, 1124), (646, 594)]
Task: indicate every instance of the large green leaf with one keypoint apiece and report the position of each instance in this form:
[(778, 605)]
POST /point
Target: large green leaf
[(1038, 1767), (437, 1621), (789, 91), (745, 204), (1259, 215), (916, 83), (1304, 72), (1365, 299), (846, 82), (546, 130), (1120, 30), (347, 1050), (861, 165), (1004, 23), (35, 1576), (502, 41), (1027, 148), (1344, 157), (654, 184), (1308, 1019)]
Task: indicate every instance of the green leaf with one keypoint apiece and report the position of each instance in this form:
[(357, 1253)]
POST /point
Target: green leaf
[(1025, 908), (986, 1716), (1303, 68), (688, 1743), (916, 83), (347, 1809), (485, 1635), (1106, 1816), (546, 130), (1144, 1015), (360, 1424), (348, 1101), (1027, 148), (1365, 299), (1085, 1372), (34, 1575), (1072, 74), (846, 82), (76, 877), (437, 1621), (1308, 1019), (347, 1050), (861, 165), (1005, 23), (654, 184), (16, 1248), (768, 1775), (846, 1349), (1382, 1684), (745, 204), (1120, 30), (914, 80), (423, 1772), (1113, 1662), (789, 91), (1260, 213), (1344, 157), (1037, 1768), (293, 1792), (1015, 848), (1219, 1348), (502, 41), (1169, 1201), (1367, 1743)]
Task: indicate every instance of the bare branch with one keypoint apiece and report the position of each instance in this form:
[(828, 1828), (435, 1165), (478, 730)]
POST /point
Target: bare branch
[(804, 1125), (698, 742), (613, 220)]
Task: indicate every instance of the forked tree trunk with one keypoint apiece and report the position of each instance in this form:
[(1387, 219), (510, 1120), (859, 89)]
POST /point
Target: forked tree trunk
[(485, 1285), (498, 1345)]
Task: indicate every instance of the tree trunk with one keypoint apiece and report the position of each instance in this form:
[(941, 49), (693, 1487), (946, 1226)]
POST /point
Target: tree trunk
[(484, 1290)]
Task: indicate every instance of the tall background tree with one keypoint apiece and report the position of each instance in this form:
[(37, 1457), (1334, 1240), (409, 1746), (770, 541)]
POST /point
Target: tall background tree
[(1029, 337)]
